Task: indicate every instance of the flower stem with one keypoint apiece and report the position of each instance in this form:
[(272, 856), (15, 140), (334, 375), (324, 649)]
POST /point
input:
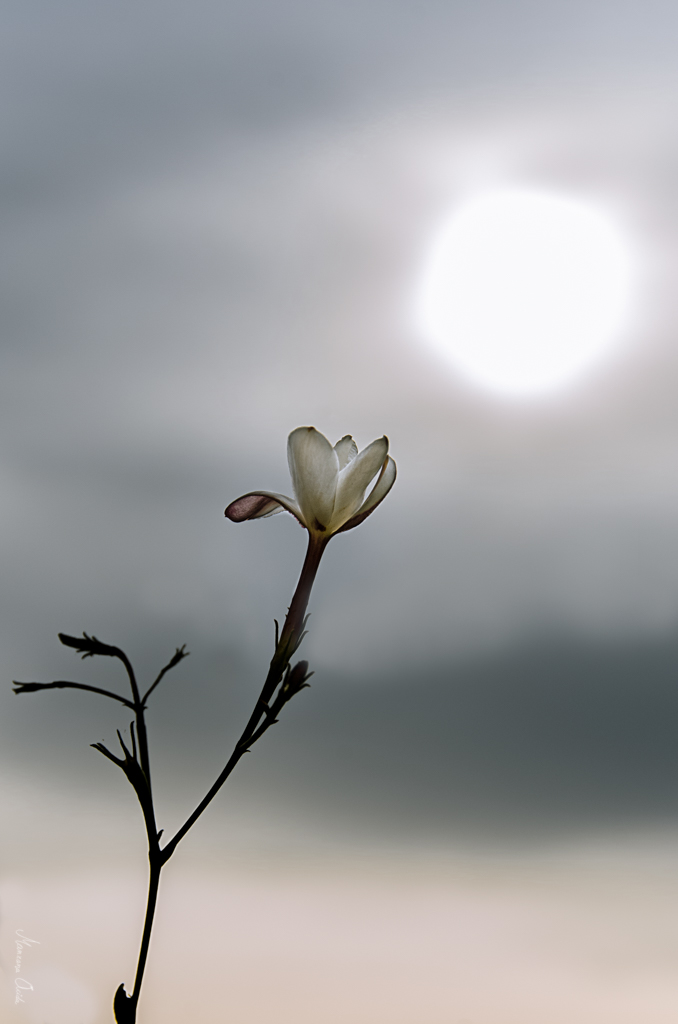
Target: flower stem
[(290, 638), (294, 622), (153, 884), (124, 1006)]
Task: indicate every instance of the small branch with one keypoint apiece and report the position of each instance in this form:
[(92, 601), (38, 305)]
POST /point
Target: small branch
[(103, 749), (178, 656), (291, 636), (137, 778), (63, 684), (89, 646), (293, 682), (135, 765), (124, 1006)]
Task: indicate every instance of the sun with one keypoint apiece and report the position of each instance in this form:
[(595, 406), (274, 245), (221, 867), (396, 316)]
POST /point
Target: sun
[(523, 290)]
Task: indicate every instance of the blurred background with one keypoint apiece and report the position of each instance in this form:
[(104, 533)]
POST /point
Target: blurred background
[(215, 216)]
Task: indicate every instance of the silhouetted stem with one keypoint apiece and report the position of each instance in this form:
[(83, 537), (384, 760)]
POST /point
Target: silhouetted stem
[(289, 640), (137, 768), (144, 759), (124, 1006), (153, 885), (65, 684), (178, 656)]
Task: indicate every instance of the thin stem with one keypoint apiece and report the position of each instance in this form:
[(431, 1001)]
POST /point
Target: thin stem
[(148, 811), (124, 1006), (294, 621), (63, 684), (130, 672), (141, 722), (153, 885), (178, 656), (290, 638)]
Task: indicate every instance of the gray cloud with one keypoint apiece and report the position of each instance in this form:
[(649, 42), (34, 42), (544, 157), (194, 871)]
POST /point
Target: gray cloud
[(214, 218), (545, 740), (550, 737)]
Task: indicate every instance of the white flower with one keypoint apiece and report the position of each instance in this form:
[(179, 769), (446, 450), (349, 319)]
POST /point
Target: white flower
[(329, 484)]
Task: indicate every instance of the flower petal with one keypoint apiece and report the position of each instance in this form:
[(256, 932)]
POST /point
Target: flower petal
[(314, 466), (353, 481), (376, 495), (346, 450), (259, 504)]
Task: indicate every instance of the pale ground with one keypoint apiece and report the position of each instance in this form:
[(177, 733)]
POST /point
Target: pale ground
[(585, 934)]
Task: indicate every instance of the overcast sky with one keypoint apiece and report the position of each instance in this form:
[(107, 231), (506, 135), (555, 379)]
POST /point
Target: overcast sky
[(214, 217)]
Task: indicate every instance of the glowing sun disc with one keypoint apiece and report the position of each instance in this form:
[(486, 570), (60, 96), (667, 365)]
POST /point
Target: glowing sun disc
[(524, 290)]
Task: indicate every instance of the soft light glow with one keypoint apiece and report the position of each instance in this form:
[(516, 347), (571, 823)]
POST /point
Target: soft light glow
[(524, 290)]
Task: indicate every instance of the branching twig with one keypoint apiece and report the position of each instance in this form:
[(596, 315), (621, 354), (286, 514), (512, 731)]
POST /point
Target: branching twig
[(178, 656), (88, 646), (294, 681), (281, 684), (292, 634), (136, 776)]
